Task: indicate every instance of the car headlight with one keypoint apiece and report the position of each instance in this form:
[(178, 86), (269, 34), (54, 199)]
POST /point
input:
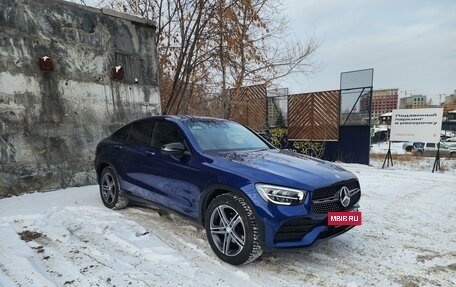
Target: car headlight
[(280, 195)]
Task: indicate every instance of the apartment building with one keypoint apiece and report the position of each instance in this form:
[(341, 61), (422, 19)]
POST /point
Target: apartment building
[(413, 102), (383, 101)]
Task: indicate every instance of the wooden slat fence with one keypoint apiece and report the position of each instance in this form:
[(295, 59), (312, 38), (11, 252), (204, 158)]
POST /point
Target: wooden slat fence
[(314, 116)]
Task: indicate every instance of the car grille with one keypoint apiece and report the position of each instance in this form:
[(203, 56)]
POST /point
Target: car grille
[(327, 199)]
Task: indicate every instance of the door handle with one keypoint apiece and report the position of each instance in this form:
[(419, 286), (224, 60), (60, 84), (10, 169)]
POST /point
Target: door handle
[(118, 146), (149, 153)]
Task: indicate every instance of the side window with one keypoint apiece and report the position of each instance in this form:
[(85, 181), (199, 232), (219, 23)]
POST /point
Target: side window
[(164, 133), (140, 133), (122, 133), (431, 145)]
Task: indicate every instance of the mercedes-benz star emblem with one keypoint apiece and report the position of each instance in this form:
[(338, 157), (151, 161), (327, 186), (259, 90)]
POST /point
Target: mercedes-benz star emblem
[(344, 196)]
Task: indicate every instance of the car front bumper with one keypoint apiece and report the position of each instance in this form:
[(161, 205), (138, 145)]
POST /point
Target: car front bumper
[(294, 226)]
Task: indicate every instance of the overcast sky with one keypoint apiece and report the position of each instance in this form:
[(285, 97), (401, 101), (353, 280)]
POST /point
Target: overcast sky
[(411, 44)]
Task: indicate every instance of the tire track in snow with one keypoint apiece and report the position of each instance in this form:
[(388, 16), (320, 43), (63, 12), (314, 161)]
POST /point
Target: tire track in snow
[(190, 240), (109, 251)]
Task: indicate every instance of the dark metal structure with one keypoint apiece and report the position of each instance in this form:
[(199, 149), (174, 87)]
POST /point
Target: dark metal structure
[(332, 125), (355, 120)]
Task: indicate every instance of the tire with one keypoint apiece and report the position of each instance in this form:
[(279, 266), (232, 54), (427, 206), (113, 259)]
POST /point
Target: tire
[(111, 194), (409, 148), (232, 229)]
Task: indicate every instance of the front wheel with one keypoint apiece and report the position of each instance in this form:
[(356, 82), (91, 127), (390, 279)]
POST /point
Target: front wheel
[(111, 194), (232, 229)]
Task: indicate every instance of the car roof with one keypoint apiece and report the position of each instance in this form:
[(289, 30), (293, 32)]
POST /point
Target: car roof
[(182, 118), (174, 118)]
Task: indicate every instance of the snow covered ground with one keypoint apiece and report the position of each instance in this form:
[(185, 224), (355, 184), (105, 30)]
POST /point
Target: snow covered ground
[(406, 160), (382, 148), (70, 239)]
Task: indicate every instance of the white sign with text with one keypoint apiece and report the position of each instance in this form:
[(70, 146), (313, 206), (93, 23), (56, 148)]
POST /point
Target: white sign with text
[(416, 125)]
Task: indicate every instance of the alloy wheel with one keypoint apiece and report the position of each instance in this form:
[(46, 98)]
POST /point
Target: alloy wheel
[(108, 188), (227, 230)]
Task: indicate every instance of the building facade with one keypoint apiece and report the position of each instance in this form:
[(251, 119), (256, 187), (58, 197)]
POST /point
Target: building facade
[(413, 102), (449, 107), (450, 97), (69, 76), (383, 101)]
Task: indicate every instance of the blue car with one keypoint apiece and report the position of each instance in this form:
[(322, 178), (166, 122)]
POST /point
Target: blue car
[(249, 196)]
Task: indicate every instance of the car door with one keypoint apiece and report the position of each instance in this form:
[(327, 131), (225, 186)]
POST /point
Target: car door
[(444, 150), (131, 155), (117, 151), (172, 180)]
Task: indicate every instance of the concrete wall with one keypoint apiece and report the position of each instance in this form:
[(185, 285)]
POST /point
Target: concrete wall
[(51, 121)]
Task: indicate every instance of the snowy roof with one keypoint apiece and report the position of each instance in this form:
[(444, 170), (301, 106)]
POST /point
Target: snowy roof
[(452, 112), (387, 115)]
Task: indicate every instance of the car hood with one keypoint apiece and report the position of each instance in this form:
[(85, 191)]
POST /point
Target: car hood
[(283, 166)]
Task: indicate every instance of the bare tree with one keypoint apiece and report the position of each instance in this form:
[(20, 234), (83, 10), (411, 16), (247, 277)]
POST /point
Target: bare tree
[(257, 51), (207, 47)]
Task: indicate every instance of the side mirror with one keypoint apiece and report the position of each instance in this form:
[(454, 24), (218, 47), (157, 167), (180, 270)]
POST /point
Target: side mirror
[(173, 149)]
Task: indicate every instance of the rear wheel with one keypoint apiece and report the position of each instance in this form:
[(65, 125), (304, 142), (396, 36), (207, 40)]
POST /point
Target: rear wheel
[(232, 229), (111, 194)]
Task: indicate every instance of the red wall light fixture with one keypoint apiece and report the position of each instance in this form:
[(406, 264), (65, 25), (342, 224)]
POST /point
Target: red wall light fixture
[(46, 63), (117, 73)]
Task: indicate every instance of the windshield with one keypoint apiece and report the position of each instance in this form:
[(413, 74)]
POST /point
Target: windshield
[(217, 135)]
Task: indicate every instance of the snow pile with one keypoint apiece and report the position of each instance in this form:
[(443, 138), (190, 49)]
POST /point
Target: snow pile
[(70, 239)]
